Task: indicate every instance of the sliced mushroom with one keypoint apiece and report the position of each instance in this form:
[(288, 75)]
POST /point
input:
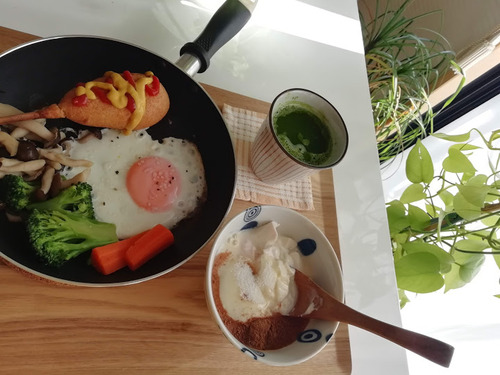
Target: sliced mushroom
[(10, 143), (63, 159), (54, 164), (46, 181), (35, 126), (7, 162), (80, 177), (19, 133), (55, 140), (21, 166)]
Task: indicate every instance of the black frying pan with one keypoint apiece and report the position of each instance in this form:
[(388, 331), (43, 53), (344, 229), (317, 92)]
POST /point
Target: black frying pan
[(39, 73)]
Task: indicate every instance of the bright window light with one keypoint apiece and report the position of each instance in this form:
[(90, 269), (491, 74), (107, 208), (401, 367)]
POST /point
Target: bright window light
[(297, 18)]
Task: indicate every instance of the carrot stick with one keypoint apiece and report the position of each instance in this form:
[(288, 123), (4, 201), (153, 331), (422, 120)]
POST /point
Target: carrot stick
[(148, 246), (110, 258)]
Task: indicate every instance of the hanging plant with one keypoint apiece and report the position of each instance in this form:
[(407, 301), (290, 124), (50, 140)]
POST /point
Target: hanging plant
[(444, 224)]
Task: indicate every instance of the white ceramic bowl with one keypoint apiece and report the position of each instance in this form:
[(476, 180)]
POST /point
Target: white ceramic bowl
[(324, 270)]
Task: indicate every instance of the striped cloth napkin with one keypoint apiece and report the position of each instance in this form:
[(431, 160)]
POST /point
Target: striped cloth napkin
[(243, 126)]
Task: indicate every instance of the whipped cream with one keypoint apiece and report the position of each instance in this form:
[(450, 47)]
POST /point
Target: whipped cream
[(257, 275)]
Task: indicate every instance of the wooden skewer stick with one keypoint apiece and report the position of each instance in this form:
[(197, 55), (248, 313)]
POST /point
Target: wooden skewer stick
[(52, 111)]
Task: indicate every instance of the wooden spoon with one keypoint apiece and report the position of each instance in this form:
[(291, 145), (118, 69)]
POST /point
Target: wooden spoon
[(326, 307)]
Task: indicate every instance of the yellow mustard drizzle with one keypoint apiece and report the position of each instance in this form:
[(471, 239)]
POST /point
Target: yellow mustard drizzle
[(117, 91)]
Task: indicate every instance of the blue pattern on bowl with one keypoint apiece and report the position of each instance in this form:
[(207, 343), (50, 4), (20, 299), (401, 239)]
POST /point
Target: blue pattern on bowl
[(307, 246), (255, 354), (251, 224), (251, 213), (310, 335)]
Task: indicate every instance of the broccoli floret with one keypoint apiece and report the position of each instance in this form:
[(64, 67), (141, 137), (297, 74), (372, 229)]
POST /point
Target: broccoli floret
[(58, 236), (15, 192), (76, 199)]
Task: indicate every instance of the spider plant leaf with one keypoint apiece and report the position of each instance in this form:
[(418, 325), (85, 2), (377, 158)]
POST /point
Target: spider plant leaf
[(405, 63), (460, 85)]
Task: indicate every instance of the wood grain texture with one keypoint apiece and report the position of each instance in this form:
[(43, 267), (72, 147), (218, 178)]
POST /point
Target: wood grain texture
[(161, 326)]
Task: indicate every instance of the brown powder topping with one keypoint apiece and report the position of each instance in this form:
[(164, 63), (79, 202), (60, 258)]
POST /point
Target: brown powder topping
[(268, 333)]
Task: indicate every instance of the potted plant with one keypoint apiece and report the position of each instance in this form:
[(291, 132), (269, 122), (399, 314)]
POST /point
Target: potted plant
[(403, 69)]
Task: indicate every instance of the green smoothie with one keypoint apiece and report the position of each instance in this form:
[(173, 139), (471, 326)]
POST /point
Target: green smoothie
[(303, 134)]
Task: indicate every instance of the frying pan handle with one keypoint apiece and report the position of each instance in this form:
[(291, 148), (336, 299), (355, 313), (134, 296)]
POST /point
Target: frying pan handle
[(227, 21)]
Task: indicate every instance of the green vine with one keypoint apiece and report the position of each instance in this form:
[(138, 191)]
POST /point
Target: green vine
[(444, 225)]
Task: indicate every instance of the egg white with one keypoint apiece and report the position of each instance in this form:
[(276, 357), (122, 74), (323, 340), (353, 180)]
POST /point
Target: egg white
[(114, 154)]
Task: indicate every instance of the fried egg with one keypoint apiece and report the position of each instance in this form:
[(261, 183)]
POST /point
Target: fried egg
[(138, 182)]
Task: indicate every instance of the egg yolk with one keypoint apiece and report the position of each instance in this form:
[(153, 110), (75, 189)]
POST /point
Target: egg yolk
[(153, 183)]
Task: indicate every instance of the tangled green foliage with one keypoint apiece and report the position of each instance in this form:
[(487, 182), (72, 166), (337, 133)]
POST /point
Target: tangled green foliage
[(444, 224)]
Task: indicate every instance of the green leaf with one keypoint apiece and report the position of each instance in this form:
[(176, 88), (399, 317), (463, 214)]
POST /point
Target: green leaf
[(397, 251), (396, 216), (491, 220), (466, 209), (467, 176), (497, 260), (432, 210), (469, 270), (475, 190), (453, 138), (403, 298), (419, 167), (400, 238), (445, 259), (413, 193), (457, 162), (419, 273), (447, 199), (452, 279), (472, 245), (465, 147), (494, 135), (478, 180), (464, 269), (492, 196), (419, 219)]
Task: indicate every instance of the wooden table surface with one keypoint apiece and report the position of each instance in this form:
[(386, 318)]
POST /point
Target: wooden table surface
[(161, 326)]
